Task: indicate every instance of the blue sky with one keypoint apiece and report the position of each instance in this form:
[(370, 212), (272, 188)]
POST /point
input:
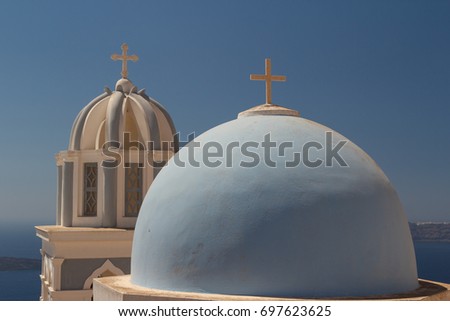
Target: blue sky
[(376, 71)]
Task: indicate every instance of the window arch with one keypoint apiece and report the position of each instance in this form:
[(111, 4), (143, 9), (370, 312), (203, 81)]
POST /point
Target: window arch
[(107, 269)]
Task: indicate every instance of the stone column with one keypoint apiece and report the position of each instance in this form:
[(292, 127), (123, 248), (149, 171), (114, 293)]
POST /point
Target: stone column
[(42, 277), (109, 218), (59, 195), (67, 194), (56, 282)]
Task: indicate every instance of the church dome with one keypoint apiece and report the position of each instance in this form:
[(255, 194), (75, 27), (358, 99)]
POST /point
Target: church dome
[(118, 144), (301, 231), (124, 110)]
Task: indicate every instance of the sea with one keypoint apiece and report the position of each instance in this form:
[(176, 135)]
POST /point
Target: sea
[(433, 262)]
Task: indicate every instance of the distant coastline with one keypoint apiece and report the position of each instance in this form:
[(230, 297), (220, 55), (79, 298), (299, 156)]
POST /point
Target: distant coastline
[(430, 231), (420, 231), (18, 264)]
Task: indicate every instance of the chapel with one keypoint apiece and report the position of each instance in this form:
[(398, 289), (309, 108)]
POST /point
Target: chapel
[(268, 206)]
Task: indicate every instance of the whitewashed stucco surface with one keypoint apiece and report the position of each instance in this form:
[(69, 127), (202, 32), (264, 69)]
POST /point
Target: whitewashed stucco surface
[(304, 232)]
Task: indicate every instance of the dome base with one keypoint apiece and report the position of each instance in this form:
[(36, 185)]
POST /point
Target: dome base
[(269, 109), (120, 288)]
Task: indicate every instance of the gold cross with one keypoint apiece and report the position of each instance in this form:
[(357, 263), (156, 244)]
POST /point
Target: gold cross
[(268, 78), (124, 59)]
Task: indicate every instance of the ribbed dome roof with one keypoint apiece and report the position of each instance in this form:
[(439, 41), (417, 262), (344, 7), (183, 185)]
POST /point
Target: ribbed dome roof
[(325, 231), (125, 109)]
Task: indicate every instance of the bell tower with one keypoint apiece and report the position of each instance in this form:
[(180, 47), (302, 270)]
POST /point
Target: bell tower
[(118, 144)]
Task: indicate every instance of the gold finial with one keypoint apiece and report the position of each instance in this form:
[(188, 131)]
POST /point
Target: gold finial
[(124, 59), (268, 78)]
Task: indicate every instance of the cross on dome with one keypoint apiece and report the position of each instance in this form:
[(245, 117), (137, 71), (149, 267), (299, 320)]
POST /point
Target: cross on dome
[(268, 78), (124, 57)]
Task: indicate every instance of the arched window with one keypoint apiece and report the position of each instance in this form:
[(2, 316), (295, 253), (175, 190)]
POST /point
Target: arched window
[(133, 188), (107, 269), (90, 189)]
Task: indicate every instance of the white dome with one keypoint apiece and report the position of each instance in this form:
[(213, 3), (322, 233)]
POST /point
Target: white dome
[(99, 187), (329, 231), (126, 109)]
